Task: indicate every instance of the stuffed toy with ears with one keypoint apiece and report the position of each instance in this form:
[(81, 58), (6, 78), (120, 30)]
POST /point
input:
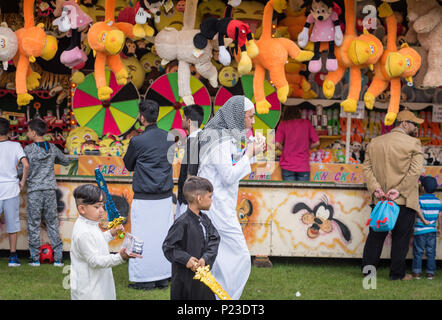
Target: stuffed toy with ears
[(236, 30), (8, 44), (32, 43), (72, 18), (326, 28), (107, 39), (171, 44), (355, 53), (144, 10), (393, 65), (273, 56)]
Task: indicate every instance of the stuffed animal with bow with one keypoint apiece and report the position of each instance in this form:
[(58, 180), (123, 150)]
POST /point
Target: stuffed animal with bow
[(8, 44), (355, 53), (72, 18), (107, 39), (326, 28), (32, 43), (273, 55), (393, 65), (144, 10), (236, 30)]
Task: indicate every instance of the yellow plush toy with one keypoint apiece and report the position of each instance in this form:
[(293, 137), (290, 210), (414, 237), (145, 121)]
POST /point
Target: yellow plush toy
[(273, 55), (107, 39), (355, 53), (393, 66), (32, 43)]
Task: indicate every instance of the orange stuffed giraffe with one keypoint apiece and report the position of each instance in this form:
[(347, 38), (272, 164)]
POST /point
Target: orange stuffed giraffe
[(273, 55), (32, 43), (107, 39), (355, 53), (393, 66)]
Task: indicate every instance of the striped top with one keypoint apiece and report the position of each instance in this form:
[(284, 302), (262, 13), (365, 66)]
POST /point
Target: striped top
[(430, 206)]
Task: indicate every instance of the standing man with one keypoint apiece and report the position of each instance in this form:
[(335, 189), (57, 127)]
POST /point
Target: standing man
[(392, 166), (151, 210), (193, 117)]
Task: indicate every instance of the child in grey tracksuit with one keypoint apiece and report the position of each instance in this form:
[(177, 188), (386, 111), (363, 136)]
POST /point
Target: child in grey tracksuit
[(41, 188)]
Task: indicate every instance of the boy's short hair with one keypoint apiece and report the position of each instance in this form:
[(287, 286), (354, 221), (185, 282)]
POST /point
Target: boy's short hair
[(149, 109), (39, 126), (4, 126), (428, 183), (194, 112), (195, 186), (87, 194)]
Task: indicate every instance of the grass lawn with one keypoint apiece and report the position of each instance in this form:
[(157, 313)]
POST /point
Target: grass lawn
[(313, 279)]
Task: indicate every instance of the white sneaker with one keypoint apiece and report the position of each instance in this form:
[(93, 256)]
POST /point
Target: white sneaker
[(34, 264), (58, 264)]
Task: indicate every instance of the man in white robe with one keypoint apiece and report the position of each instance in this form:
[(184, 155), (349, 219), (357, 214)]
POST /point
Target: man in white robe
[(150, 156), (224, 164)]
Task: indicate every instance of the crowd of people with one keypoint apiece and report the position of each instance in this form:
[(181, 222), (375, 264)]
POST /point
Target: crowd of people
[(204, 229)]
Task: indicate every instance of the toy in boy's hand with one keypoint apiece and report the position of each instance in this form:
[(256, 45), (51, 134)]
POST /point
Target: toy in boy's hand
[(326, 28), (133, 245), (113, 214)]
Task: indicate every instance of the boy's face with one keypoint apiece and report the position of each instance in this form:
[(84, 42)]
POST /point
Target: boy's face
[(186, 123), (31, 134), (204, 200), (94, 212)]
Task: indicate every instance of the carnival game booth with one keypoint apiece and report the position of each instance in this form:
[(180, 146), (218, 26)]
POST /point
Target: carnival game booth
[(88, 94)]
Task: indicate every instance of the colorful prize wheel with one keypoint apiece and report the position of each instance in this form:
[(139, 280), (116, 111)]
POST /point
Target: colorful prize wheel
[(115, 116), (245, 87), (165, 91)]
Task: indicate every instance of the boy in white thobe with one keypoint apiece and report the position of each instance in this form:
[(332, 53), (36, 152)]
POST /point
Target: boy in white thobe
[(91, 262)]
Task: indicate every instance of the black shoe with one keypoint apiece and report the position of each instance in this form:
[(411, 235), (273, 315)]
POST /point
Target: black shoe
[(142, 285), (162, 284)]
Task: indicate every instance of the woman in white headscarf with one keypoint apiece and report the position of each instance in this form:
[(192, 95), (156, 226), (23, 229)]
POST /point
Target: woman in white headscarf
[(224, 163)]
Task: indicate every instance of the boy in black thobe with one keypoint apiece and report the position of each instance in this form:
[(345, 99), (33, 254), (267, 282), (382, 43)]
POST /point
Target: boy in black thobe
[(192, 242)]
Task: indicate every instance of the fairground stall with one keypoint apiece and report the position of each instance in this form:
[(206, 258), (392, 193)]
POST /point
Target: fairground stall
[(90, 102)]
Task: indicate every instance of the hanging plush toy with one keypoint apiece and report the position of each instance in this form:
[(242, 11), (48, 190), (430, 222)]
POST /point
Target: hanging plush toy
[(107, 39), (355, 53), (171, 44), (32, 43), (145, 9), (71, 17), (8, 44), (326, 28), (273, 55), (236, 30), (393, 66)]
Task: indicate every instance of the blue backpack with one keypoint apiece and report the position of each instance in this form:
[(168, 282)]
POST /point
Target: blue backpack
[(384, 216)]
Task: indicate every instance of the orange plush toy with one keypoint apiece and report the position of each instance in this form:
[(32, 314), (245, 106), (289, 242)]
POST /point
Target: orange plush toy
[(355, 53), (393, 66), (273, 55), (32, 43), (107, 39)]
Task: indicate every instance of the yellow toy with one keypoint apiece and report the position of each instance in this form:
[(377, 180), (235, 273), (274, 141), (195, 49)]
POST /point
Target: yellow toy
[(32, 43), (107, 39), (392, 66), (299, 86), (228, 77), (273, 55), (355, 53), (204, 275)]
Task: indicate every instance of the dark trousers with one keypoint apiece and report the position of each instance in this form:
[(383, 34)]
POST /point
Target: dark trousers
[(400, 236)]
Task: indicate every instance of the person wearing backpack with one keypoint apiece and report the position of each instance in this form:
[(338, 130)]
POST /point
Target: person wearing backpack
[(392, 167)]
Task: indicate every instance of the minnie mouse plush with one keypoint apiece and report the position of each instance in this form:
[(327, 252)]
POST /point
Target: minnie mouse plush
[(326, 28)]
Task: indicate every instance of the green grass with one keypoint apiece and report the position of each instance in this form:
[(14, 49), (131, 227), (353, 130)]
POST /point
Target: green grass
[(314, 279)]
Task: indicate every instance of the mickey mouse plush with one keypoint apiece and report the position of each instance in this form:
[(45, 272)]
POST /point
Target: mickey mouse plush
[(236, 30)]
